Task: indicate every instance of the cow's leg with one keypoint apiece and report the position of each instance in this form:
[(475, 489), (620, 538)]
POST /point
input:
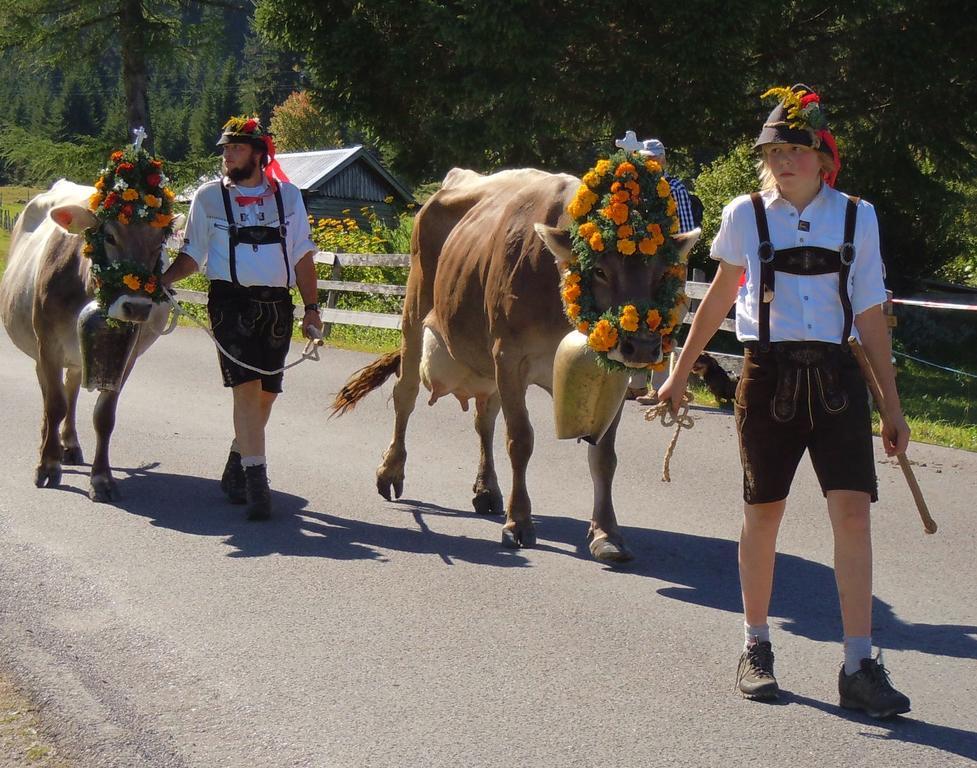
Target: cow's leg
[(390, 473), (606, 542), (49, 375), (103, 486), (488, 497), (69, 435), (518, 530)]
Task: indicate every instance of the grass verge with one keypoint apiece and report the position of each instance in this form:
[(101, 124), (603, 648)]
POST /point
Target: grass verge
[(22, 742)]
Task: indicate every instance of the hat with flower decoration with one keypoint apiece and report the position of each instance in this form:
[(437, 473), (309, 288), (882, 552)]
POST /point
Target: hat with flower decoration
[(799, 118), (248, 130)]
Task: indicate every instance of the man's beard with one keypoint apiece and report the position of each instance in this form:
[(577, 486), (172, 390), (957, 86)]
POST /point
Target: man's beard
[(244, 173)]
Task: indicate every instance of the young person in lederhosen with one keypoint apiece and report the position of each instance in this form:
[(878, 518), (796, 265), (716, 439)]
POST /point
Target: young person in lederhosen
[(813, 276), (249, 233)]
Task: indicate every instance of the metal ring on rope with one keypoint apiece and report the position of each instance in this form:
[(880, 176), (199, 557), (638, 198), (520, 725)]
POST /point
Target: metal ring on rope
[(311, 351), (768, 246)]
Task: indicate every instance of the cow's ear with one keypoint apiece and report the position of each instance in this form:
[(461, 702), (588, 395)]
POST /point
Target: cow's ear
[(558, 241), (685, 241), (74, 218)]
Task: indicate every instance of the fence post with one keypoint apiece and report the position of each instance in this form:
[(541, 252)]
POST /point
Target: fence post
[(337, 274)]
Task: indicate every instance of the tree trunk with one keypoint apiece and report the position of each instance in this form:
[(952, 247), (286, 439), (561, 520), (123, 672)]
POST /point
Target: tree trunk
[(134, 76)]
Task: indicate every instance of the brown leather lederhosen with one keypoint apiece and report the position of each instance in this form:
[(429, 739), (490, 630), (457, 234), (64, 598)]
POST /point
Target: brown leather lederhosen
[(818, 361)]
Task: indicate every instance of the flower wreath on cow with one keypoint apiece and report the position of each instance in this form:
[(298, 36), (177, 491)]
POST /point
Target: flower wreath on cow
[(131, 189), (624, 204)]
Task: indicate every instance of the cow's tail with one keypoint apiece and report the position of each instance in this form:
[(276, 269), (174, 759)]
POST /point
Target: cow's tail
[(364, 381)]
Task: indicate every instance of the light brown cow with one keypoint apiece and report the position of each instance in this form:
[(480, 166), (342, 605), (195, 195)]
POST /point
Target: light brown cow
[(482, 320), (44, 288)]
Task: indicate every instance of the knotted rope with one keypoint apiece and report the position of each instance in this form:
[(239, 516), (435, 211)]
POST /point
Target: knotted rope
[(663, 412), (311, 351)]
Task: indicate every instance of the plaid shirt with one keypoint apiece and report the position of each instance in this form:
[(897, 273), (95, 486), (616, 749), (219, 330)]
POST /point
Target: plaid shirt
[(681, 195)]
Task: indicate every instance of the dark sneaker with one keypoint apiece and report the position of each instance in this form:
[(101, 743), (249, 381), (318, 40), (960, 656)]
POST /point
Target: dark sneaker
[(870, 689), (232, 481), (754, 676), (259, 494)]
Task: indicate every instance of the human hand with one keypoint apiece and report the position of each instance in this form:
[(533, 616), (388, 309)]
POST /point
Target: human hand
[(312, 320), (895, 435), (673, 390)]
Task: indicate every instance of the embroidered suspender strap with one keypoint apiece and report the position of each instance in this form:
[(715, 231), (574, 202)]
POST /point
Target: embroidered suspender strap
[(282, 231), (847, 259), (232, 238), (765, 252)]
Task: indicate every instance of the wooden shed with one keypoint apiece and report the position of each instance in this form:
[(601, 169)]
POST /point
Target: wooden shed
[(349, 179)]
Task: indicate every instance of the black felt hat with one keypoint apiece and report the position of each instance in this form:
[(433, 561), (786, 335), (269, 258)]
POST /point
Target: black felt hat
[(797, 119)]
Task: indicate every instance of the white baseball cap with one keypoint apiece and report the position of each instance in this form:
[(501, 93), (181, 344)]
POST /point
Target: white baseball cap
[(652, 147)]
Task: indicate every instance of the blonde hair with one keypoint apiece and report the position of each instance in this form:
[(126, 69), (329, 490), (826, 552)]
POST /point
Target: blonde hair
[(768, 182)]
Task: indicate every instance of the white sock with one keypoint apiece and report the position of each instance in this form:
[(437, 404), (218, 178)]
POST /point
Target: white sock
[(856, 649), (755, 634), (252, 461)]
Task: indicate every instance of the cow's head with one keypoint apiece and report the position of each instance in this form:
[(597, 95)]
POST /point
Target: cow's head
[(616, 281), (137, 246)]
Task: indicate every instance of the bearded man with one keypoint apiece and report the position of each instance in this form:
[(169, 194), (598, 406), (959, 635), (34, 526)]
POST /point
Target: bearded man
[(249, 233)]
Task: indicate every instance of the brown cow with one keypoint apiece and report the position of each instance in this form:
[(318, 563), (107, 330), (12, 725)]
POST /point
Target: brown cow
[(483, 318), (44, 289)]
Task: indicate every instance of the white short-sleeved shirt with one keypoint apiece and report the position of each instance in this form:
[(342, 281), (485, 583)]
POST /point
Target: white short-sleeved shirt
[(206, 240), (805, 307)]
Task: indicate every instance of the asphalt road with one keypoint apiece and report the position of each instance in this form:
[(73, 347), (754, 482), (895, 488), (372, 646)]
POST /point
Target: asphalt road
[(165, 631)]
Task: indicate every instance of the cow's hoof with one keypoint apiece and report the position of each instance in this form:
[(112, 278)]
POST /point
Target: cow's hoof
[(386, 485), (519, 536), (606, 551), (48, 475), (73, 456), (103, 489), (488, 502)]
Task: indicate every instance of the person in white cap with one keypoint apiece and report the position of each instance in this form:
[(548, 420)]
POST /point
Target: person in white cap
[(638, 386)]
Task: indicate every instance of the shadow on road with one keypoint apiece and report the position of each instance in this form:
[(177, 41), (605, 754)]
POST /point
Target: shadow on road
[(704, 572), (196, 505), (905, 729)]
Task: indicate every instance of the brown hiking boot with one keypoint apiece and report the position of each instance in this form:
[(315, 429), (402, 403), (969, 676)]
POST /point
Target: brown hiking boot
[(754, 676), (258, 492), (870, 689), (232, 481)]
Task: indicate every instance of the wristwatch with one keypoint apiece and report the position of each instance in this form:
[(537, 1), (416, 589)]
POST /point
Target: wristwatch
[(311, 307)]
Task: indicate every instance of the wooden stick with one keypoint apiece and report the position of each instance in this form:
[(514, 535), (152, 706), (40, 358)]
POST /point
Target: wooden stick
[(929, 524)]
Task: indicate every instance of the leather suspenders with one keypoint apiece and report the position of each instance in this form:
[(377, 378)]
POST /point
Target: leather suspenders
[(254, 235), (803, 261)]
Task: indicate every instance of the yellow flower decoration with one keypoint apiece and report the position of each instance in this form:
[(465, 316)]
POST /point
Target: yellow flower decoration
[(624, 169), (161, 220), (583, 326), (652, 166), (617, 212), (591, 179), (596, 242), (152, 201), (653, 320), (100, 184), (629, 318), (130, 194), (88, 249), (625, 247), (603, 338), (663, 188), (573, 311), (626, 230), (587, 229), (671, 207), (647, 246), (673, 229), (603, 167), (169, 194), (132, 282), (123, 219), (571, 293), (95, 200)]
